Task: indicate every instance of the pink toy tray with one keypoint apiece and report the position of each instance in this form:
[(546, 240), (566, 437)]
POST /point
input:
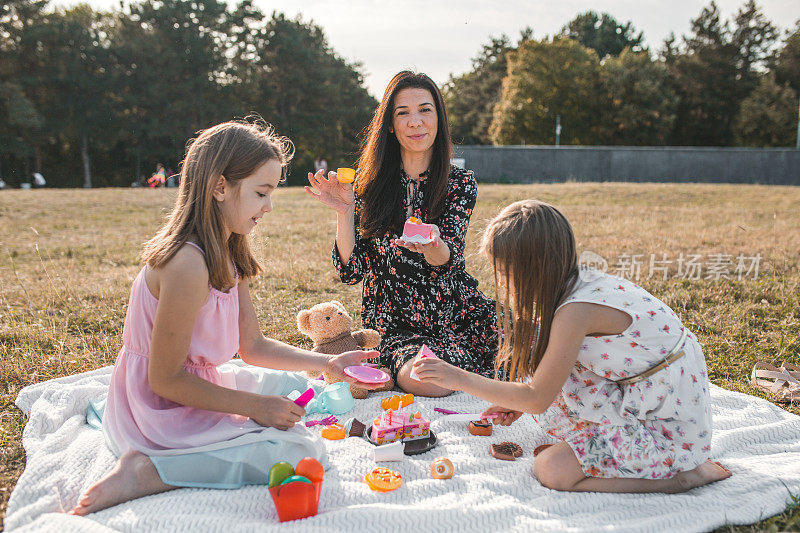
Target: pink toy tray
[(367, 374)]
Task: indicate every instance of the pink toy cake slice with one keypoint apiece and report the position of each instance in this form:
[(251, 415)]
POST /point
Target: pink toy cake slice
[(423, 352), (393, 426), (415, 230)]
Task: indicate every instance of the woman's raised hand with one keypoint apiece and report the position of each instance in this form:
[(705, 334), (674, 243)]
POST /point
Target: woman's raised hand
[(330, 191)]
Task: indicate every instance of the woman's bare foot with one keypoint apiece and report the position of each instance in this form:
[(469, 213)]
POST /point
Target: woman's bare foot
[(706, 473), (133, 476)]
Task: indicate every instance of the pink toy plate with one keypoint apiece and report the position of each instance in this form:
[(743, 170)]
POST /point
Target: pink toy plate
[(366, 374)]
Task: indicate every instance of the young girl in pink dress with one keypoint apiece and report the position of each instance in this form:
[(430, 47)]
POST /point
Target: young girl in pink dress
[(175, 414), (604, 367)]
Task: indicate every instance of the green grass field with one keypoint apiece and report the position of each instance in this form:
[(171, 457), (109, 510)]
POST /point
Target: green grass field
[(68, 257)]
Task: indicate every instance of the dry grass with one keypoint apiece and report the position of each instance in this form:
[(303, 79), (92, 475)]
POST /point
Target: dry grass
[(67, 258)]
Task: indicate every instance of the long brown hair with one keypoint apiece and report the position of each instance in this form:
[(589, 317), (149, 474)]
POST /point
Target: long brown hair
[(378, 182), (234, 150), (532, 248)]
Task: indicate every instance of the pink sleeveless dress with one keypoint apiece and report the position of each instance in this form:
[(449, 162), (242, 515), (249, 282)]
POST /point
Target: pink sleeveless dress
[(136, 418)]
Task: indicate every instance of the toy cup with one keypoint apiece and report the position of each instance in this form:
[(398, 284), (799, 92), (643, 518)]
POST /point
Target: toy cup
[(345, 175), (336, 398), (389, 452)]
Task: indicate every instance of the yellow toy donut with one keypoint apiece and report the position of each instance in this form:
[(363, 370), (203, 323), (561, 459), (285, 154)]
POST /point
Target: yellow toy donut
[(442, 468), (383, 480)]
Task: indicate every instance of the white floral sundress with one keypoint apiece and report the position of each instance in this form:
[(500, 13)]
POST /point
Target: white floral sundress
[(651, 429)]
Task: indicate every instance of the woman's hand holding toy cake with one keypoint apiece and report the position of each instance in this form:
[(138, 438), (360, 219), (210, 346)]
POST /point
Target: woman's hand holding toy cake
[(425, 239), (416, 231)]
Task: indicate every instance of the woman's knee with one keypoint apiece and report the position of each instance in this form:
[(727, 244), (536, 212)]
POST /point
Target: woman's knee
[(418, 388)]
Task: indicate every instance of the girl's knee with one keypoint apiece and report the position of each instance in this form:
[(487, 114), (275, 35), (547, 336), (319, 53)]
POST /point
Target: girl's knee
[(547, 473), (557, 468)]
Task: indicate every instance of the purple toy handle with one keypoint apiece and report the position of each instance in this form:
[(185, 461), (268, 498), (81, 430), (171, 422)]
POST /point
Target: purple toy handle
[(304, 398), (445, 411)]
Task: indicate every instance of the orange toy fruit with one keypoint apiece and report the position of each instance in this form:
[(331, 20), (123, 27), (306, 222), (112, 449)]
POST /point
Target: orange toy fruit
[(415, 220), (397, 401), (345, 175), (310, 468), (383, 480), (333, 432)]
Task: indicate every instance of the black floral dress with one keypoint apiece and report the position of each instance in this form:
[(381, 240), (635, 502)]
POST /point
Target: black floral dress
[(411, 302)]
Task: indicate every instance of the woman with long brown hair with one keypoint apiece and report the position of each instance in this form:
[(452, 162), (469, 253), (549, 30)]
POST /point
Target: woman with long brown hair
[(413, 294)]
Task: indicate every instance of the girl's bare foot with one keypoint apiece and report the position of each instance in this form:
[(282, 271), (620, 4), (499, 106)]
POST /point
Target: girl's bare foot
[(706, 473), (133, 476)]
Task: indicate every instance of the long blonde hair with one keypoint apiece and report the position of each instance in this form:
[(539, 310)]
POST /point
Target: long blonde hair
[(532, 248), (234, 150)]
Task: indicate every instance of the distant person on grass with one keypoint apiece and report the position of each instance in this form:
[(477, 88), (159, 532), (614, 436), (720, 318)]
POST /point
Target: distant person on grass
[(413, 294), (176, 415), (159, 177), (604, 367), (320, 164)]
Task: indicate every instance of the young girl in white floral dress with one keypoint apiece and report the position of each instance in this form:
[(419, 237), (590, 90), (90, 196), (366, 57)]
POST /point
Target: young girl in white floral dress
[(603, 366)]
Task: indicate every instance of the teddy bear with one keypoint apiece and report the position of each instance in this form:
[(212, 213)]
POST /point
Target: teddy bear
[(328, 324)]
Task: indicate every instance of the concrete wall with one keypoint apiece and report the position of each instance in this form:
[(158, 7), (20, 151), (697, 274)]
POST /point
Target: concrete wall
[(524, 164)]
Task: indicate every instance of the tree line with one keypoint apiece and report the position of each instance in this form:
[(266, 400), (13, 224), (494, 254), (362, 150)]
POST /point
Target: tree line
[(728, 83), (95, 98)]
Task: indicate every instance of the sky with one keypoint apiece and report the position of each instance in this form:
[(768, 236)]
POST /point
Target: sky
[(440, 37)]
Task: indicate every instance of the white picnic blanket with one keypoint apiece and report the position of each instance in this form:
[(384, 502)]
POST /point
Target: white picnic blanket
[(758, 441)]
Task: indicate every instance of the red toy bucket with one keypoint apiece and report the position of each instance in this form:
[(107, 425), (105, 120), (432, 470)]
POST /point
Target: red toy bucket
[(296, 500)]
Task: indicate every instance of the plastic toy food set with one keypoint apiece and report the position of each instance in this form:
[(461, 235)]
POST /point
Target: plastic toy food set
[(295, 491), (416, 231), (396, 433)]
